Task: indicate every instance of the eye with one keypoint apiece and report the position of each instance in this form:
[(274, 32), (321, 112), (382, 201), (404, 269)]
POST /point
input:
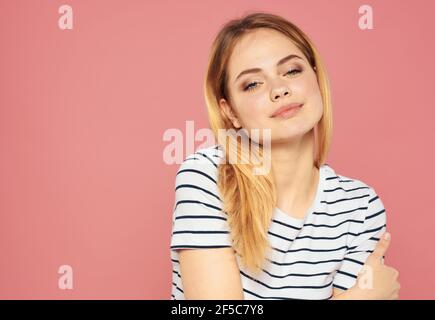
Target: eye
[(294, 71), (250, 86)]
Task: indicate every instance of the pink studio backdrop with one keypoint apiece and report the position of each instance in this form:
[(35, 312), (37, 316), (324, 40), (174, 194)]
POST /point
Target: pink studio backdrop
[(83, 112)]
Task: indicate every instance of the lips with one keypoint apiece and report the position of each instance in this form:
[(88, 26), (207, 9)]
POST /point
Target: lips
[(286, 108)]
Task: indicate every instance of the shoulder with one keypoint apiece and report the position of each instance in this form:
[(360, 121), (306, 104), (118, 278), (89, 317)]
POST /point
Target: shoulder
[(197, 176), (358, 193), (201, 165), (198, 218), (349, 187)]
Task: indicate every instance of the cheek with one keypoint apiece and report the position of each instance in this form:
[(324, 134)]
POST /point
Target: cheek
[(305, 87), (316, 102), (312, 95), (252, 111)]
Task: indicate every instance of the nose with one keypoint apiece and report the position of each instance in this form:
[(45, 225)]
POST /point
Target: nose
[(280, 93)]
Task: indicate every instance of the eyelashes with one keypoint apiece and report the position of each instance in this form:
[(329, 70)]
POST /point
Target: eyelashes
[(251, 86)]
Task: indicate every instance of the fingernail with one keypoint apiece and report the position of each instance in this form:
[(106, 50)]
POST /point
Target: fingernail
[(387, 236)]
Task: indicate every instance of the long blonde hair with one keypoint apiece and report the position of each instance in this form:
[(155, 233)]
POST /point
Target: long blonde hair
[(249, 199)]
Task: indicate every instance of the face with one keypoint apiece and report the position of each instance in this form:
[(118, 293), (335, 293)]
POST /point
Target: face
[(255, 96)]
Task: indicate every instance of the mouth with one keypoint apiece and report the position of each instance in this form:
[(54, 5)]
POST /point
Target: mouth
[(287, 111)]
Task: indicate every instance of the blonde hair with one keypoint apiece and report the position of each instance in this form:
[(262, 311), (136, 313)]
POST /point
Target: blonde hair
[(249, 199)]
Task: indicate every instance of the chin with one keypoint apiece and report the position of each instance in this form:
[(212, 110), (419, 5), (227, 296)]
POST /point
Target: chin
[(289, 135)]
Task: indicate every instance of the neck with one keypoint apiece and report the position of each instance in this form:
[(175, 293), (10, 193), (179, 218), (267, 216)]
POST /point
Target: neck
[(294, 172)]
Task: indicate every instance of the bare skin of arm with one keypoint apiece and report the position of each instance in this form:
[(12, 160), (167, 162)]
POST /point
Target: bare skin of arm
[(210, 274)]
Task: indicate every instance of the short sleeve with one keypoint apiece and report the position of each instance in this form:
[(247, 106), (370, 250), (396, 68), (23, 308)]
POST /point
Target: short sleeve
[(363, 242), (198, 220)]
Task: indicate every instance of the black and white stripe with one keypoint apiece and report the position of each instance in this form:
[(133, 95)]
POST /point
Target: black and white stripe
[(309, 256)]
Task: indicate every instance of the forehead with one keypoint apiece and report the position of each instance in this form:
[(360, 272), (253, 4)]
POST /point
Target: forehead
[(260, 48)]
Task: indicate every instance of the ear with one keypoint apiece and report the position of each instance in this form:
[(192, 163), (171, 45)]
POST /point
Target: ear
[(228, 112)]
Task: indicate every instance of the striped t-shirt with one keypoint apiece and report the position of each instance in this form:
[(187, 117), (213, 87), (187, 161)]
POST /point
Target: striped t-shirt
[(310, 256)]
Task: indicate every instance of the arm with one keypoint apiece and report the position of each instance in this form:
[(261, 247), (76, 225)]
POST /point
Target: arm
[(378, 280), (368, 249), (353, 293), (362, 240), (210, 274), (200, 233), (336, 292)]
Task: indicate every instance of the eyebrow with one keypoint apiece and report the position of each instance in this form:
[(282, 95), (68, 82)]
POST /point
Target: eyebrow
[(280, 62)]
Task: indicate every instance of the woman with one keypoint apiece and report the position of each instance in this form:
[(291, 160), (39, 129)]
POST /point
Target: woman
[(299, 231)]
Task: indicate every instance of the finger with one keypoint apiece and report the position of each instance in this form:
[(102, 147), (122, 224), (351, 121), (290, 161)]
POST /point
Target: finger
[(382, 246)]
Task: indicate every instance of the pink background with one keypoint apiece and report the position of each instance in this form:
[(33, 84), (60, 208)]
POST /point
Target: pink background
[(83, 112)]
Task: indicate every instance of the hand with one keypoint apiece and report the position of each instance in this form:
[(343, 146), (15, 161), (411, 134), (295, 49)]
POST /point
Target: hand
[(378, 281)]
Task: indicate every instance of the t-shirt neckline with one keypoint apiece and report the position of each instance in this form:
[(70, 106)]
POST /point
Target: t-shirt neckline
[(316, 201)]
